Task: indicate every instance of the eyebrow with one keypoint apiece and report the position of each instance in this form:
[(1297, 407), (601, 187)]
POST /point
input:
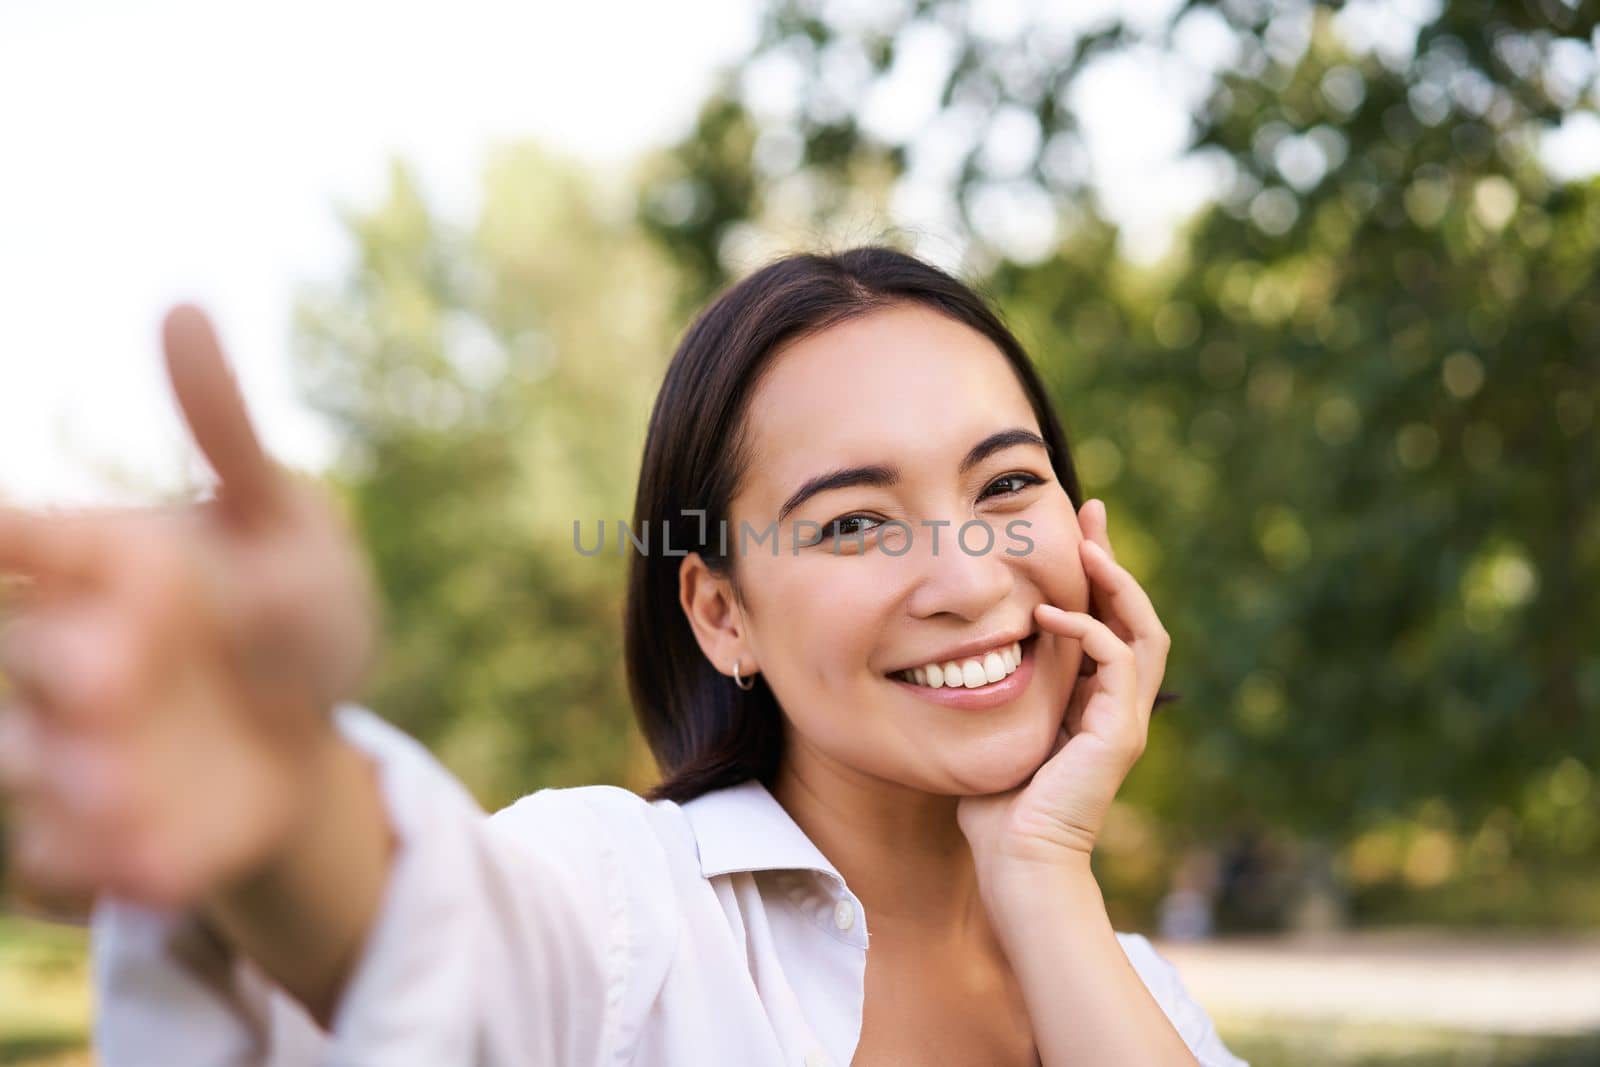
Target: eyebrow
[(878, 475)]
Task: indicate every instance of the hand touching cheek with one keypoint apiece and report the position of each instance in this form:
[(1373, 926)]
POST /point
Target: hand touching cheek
[(1054, 819)]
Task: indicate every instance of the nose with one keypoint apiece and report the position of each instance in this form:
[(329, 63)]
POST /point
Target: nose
[(961, 574)]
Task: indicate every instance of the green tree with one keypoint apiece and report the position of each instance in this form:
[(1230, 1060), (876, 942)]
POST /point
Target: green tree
[(491, 384), (1347, 430)]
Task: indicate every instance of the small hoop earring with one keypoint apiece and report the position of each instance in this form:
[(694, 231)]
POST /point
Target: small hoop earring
[(740, 683)]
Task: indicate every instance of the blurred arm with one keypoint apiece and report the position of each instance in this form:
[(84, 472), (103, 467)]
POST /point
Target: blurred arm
[(491, 941), (305, 917)]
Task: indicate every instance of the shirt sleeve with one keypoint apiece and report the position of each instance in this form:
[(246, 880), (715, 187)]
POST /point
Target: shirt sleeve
[(1186, 1015), (501, 940)]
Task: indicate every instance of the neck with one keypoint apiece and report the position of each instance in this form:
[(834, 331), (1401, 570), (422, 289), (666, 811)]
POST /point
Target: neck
[(900, 850)]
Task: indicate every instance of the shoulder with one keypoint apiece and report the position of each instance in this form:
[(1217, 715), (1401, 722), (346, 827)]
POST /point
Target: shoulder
[(609, 802), (1188, 1017), (613, 831), (612, 810)]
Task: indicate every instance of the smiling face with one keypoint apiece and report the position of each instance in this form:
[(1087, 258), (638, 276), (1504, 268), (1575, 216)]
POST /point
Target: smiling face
[(833, 623)]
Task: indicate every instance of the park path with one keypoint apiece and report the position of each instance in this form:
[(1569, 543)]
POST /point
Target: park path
[(1511, 985)]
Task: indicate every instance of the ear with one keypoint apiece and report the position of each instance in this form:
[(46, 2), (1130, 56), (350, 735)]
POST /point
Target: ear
[(715, 617)]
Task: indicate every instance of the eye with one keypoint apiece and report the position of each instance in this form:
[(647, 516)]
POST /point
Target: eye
[(834, 528), (1021, 479)]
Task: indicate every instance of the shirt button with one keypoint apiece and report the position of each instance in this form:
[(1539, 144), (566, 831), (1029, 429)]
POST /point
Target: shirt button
[(816, 1058), (844, 915)]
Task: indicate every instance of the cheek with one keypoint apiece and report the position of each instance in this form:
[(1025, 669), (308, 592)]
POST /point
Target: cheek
[(815, 626), (1054, 566), (816, 621)]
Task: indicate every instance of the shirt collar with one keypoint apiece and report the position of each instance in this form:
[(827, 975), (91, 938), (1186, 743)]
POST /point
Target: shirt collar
[(744, 828)]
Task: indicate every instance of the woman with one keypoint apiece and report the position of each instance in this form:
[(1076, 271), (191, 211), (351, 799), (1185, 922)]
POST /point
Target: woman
[(878, 644)]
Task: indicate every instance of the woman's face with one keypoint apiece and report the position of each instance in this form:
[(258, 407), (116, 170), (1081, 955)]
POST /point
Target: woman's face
[(830, 625)]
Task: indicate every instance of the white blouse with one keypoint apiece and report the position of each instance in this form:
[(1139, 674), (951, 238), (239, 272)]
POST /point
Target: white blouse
[(578, 927)]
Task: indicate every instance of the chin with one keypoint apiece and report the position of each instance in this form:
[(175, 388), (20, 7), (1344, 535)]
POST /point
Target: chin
[(999, 764)]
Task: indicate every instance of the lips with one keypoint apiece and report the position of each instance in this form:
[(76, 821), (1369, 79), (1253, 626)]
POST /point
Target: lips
[(972, 650), (989, 695)]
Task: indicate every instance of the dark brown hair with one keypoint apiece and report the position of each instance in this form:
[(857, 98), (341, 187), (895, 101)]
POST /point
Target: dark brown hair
[(705, 732)]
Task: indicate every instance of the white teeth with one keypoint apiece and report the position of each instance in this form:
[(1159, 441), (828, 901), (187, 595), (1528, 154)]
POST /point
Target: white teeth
[(969, 673)]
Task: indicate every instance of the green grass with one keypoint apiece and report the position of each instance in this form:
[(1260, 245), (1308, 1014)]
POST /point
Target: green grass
[(44, 994), (1282, 1043)]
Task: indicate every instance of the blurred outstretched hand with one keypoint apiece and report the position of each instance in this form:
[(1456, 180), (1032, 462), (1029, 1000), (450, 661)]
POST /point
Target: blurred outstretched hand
[(172, 670)]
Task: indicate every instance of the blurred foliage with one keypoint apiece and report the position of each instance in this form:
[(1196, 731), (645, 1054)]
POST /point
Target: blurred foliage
[(1346, 428), (491, 383), (44, 997)]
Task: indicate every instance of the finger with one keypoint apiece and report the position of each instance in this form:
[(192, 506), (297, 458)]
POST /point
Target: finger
[(215, 410), (1121, 594), (51, 547), (35, 828), (20, 761), (49, 856), (1127, 608), (1092, 523), (81, 668), (1092, 520), (67, 801), (23, 673), (53, 769), (1115, 665)]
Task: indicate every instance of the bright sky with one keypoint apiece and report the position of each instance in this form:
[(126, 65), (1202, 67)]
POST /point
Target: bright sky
[(176, 149), (179, 150)]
